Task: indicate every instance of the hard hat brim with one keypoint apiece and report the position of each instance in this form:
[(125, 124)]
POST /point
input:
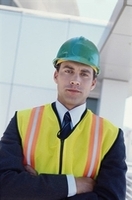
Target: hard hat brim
[(76, 59)]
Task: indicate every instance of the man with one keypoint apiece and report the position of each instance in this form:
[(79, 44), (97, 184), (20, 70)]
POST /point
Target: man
[(43, 157)]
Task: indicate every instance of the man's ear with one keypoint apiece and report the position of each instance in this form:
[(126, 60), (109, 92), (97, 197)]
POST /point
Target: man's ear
[(55, 76), (93, 84)]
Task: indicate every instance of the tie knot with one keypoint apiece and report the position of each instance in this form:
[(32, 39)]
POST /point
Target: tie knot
[(67, 117), (66, 127)]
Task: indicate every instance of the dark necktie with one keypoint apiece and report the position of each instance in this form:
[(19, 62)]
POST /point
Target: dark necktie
[(66, 129)]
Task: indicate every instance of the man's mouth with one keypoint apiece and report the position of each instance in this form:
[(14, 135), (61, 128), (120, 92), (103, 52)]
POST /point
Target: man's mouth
[(74, 90)]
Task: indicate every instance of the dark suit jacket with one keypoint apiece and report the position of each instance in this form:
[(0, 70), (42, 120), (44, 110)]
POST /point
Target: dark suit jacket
[(17, 184)]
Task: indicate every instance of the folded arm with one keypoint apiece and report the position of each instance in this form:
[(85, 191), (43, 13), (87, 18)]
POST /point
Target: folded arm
[(22, 182), (111, 180), (16, 182)]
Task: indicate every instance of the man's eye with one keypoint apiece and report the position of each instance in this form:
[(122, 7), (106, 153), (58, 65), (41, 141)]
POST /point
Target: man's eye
[(84, 74), (68, 71)]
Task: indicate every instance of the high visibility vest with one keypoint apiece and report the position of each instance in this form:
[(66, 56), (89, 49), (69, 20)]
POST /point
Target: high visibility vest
[(83, 150)]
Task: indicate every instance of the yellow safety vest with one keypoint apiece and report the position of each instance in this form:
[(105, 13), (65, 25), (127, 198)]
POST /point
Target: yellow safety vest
[(83, 150)]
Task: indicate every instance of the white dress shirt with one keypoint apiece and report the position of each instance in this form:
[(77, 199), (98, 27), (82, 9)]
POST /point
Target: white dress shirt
[(75, 114)]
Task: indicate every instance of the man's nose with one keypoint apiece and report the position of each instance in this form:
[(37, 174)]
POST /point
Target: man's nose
[(74, 82)]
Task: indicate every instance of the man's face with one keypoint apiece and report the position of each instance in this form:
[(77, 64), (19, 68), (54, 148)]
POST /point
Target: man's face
[(74, 82)]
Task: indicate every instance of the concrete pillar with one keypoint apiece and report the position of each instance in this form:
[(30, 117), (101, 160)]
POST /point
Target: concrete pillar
[(112, 100)]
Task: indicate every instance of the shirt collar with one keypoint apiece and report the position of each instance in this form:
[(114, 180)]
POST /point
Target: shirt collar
[(75, 113)]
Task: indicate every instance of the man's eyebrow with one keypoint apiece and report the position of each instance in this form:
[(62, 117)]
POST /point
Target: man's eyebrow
[(86, 71), (68, 66), (72, 68)]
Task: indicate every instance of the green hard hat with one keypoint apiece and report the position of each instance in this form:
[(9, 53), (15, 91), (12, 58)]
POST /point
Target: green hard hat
[(81, 50)]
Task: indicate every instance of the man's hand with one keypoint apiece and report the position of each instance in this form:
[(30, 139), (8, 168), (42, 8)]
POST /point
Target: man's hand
[(29, 169), (84, 184)]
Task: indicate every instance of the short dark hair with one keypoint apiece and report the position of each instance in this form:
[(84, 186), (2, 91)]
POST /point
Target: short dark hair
[(94, 74)]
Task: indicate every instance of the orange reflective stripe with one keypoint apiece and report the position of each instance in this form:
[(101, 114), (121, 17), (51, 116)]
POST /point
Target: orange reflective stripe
[(36, 136), (90, 147), (25, 146), (32, 135), (97, 158), (94, 147)]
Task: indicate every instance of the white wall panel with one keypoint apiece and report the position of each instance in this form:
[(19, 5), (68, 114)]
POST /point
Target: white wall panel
[(4, 102), (27, 97), (128, 142), (114, 54), (9, 33), (115, 62), (124, 26), (87, 30), (38, 47), (112, 101)]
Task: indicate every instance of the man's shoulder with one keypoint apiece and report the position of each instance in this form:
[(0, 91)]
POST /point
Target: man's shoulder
[(30, 109), (106, 122)]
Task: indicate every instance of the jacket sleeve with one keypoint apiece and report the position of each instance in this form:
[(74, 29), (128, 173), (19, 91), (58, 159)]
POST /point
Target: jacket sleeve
[(111, 180), (15, 182)]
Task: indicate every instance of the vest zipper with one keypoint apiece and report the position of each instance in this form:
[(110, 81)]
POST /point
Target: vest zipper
[(61, 155)]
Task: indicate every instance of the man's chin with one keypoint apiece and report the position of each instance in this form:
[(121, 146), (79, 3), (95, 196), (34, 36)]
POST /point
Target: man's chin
[(73, 103)]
